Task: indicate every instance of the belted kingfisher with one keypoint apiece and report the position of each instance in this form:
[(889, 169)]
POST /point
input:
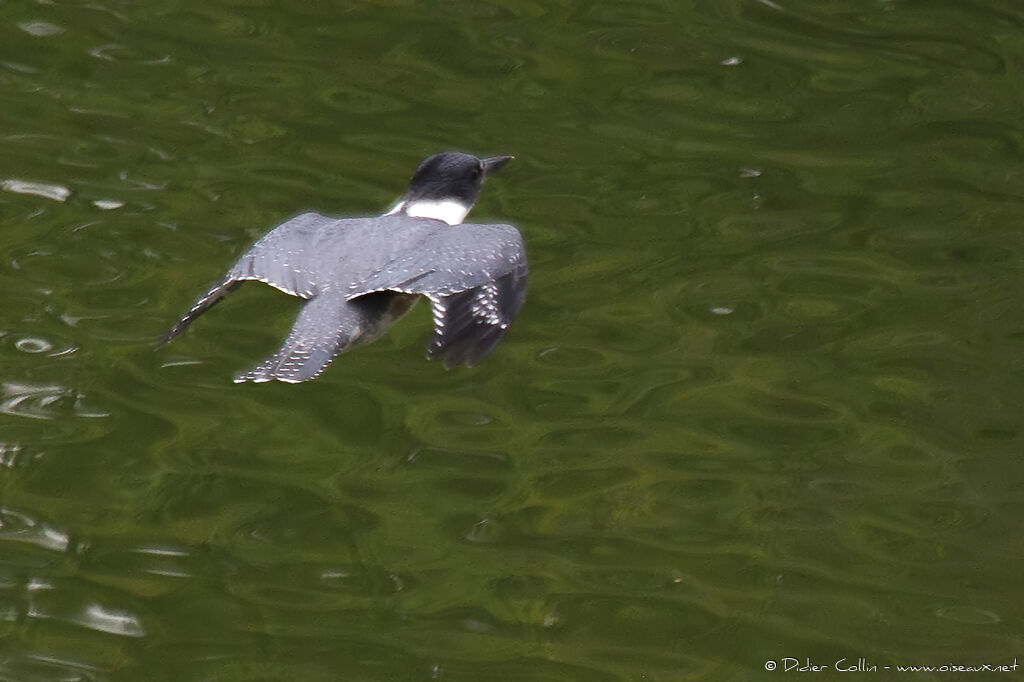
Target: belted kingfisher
[(359, 275)]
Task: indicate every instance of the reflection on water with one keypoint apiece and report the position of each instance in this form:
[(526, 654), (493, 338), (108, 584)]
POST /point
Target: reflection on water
[(19, 527), (44, 402), (763, 401), (55, 192)]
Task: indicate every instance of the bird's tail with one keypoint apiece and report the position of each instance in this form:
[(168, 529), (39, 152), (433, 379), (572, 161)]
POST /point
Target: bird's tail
[(326, 325), (204, 303)]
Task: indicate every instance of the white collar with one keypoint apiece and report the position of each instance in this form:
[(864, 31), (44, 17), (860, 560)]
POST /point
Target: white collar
[(450, 211)]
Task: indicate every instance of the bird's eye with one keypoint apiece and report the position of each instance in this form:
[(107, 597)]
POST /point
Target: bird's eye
[(475, 173)]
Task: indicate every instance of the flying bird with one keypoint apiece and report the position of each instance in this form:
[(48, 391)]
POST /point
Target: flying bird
[(359, 275)]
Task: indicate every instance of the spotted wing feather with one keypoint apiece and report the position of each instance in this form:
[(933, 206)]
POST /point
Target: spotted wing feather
[(475, 279), (448, 259), (468, 325), (281, 258), (326, 325), (284, 258)]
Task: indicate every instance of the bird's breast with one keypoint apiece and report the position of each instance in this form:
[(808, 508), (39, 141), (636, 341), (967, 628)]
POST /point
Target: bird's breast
[(400, 304), (380, 310)]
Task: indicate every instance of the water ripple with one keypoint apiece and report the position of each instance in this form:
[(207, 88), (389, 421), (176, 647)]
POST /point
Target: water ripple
[(53, 600), (110, 620), (813, 32), (13, 455), (353, 100), (38, 345), (969, 614), (39, 189), (16, 526), (45, 402), (40, 29), (107, 204), (114, 52), (50, 667)]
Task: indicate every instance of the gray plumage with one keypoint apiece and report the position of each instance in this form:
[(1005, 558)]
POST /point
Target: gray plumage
[(359, 275)]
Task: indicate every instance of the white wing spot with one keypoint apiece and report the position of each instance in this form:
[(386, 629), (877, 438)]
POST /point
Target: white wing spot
[(439, 310), (485, 305)]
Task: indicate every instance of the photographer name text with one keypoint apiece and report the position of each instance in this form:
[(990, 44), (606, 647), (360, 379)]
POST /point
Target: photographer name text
[(788, 664)]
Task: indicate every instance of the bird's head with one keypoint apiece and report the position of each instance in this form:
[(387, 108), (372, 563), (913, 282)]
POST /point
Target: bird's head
[(446, 185)]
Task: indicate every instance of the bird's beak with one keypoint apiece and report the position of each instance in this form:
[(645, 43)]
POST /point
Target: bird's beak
[(494, 164)]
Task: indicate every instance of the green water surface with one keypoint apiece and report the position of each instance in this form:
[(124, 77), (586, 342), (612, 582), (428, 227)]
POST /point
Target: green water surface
[(763, 403)]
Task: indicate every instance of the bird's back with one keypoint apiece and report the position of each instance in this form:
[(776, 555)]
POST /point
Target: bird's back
[(312, 253)]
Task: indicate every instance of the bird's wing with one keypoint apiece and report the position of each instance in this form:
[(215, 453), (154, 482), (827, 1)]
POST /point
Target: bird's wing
[(475, 279), (469, 324), (287, 257), (326, 325), (446, 259), (283, 258)]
